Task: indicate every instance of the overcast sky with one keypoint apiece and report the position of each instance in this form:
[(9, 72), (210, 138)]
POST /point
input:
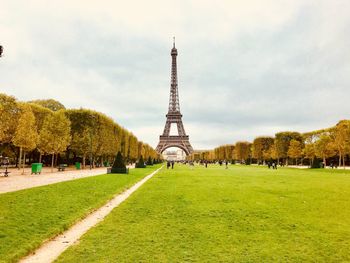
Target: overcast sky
[(245, 68)]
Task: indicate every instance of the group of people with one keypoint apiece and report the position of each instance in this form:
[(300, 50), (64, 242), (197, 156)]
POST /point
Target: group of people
[(190, 163), (272, 165), (224, 162), (170, 164), (333, 165)]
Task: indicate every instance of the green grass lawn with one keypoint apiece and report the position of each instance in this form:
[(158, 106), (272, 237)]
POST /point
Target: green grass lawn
[(243, 214), (29, 217)]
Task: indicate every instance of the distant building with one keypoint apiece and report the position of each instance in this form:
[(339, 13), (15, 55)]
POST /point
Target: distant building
[(174, 155)]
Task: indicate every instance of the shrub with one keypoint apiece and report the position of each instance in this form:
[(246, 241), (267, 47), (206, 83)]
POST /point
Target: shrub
[(140, 163), (316, 164), (149, 162), (118, 166)]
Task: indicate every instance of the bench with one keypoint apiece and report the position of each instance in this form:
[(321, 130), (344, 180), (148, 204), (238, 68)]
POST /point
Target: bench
[(6, 173), (62, 167)]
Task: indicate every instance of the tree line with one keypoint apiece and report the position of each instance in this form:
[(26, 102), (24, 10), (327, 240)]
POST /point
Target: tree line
[(331, 146), (45, 131)]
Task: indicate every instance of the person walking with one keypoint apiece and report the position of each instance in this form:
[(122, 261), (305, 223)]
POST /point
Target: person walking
[(274, 165)]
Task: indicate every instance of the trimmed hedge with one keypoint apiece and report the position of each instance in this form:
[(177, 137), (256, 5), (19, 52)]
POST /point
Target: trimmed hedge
[(119, 165), (140, 163)]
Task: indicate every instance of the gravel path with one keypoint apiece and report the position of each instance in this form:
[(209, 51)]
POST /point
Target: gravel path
[(51, 250), (16, 181)]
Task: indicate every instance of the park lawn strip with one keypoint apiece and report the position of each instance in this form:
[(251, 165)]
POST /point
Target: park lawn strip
[(31, 216), (242, 214)]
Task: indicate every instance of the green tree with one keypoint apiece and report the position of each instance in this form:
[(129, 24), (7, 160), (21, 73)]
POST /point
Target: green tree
[(9, 114), (133, 148), (26, 136), (84, 128), (139, 149), (55, 134), (40, 114), (80, 144), (51, 104), (93, 134)]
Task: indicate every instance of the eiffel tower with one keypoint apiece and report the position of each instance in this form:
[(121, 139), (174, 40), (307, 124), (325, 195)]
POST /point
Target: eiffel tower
[(174, 116)]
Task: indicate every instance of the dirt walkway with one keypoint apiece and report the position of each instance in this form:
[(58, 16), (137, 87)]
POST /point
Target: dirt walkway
[(16, 181), (50, 250)]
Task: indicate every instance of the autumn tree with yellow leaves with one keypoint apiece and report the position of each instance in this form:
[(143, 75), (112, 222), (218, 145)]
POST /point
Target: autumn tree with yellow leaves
[(26, 136), (55, 135)]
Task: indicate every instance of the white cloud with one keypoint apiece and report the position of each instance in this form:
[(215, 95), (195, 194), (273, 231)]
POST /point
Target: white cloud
[(246, 68)]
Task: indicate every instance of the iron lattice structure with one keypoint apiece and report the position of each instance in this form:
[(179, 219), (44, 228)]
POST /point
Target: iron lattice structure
[(174, 116)]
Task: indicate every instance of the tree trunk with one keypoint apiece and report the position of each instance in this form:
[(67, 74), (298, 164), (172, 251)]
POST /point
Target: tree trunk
[(56, 157), (52, 160), (344, 161), (40, 155), (24, 161), (20, 158), (339, 163), (324, 162), (16, 151), (84, 161)]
